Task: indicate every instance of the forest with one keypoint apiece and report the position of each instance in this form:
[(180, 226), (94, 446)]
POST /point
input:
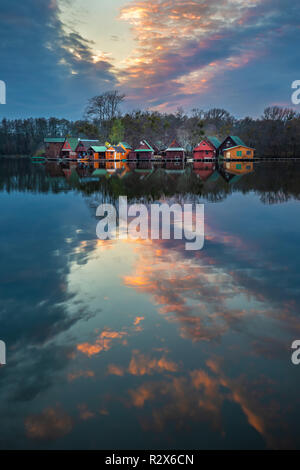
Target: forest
[(275, 133)]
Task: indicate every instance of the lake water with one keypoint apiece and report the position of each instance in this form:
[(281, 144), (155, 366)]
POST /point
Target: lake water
[(141, 344)]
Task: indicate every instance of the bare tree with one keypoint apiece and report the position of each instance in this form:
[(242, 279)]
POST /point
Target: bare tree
[(104, 107)]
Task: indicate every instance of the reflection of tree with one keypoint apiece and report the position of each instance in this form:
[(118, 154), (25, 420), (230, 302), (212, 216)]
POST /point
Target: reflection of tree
[(273, 182)]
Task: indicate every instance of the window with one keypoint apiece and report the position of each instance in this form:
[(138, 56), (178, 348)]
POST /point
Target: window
[(239, 153), (238, 166), (248, 152)]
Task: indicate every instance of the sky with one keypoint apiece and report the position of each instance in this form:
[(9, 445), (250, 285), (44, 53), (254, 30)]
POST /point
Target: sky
[(241, 55)]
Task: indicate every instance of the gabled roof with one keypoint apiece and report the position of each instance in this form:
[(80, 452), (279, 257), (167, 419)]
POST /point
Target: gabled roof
[(98, 148), (127, 146), (237, 140), (119, 149), (89, 143), (237, 146), (215, 141), (73, 142), (59, 140), (175, 147), (149, 149)]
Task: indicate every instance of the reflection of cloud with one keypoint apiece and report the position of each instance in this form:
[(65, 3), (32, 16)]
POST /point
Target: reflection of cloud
[(52, 423), (81, 373), (141, 364), (112, 369), (200, 396), (183, 402), (84, 412), (189, 291), (102, 343), (142, 394)]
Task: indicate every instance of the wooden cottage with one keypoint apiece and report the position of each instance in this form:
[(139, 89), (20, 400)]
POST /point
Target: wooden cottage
[(143, 152), (126, 147), (239, 152), (175, 151), (69, 148), (84, 146), (97, 152), (207, 149), (53, 146), (115, 152), (229, 142)]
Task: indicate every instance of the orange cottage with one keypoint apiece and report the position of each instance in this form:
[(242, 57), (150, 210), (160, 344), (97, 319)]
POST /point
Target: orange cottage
[(239, 151)]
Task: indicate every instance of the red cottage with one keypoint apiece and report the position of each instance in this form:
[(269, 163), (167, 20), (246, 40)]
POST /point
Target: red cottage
[(207, 149), (143, 152), (175, 152), (53, 146), (69, 148)]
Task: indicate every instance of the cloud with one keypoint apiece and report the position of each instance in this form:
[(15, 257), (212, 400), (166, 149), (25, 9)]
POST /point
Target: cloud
[(47, 70), (187, 50)]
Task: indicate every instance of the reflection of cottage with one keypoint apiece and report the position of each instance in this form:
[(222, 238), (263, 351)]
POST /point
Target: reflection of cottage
[(175, 152), (53, 146), (69, 148), (174, 167), (207, 149), (240, 168), (239, 151), (233, 171), (204, 169)]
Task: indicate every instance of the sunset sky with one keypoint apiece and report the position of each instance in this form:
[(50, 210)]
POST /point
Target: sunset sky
[(242, 55)]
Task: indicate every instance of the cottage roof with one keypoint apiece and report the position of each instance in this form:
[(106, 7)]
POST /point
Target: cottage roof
[(59, 140), (119, 149), (89, 143), (149, 149), (98, 148), (73, 142), (175, 147), (237, 146), (126, 145), (238, 140), (215, 141)]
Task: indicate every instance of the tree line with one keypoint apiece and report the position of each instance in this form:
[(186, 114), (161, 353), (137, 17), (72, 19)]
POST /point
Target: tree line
[(275, 133)]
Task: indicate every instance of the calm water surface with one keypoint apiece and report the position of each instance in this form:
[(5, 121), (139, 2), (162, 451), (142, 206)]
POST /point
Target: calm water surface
[(142, 344)]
